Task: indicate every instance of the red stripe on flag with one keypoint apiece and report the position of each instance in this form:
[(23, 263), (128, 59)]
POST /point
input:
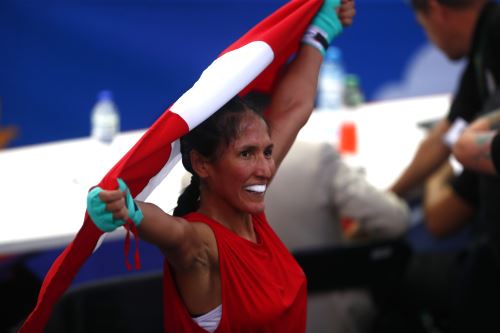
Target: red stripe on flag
[(154, 147), (142, 162), (283, 31)]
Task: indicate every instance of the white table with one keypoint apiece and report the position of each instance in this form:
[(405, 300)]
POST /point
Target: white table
[(388, 134), (43, 187), (43, 190)]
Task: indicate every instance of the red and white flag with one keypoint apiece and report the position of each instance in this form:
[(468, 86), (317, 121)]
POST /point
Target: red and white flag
[(252, 63)]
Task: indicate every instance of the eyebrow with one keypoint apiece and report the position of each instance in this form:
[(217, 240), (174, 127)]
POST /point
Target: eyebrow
[(254, 147)]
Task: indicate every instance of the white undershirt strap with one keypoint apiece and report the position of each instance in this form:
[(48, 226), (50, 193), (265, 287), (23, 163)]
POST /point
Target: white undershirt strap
[(210, 320)]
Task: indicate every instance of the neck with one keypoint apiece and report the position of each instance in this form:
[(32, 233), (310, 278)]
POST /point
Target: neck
[(237, 221)]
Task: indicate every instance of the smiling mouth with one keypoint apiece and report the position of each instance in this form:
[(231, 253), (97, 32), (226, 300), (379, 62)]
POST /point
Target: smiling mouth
[(256, 188)]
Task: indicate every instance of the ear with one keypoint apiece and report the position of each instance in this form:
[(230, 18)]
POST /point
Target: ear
[(200, 164)]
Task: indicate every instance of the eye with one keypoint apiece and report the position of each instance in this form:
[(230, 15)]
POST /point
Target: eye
[(268, 152), (245, 153)]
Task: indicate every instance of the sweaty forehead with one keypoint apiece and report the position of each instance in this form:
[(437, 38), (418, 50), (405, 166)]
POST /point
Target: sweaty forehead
[(251, 123), (251, 131)]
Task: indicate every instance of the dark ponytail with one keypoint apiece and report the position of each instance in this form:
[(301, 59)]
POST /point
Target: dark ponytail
[(189, 200)]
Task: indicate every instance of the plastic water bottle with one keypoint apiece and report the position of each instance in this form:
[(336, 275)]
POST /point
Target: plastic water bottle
[(105, 119), (353, 96), (331, 81)]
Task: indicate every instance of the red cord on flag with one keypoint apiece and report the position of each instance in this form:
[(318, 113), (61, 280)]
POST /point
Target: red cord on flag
[(131, 228)]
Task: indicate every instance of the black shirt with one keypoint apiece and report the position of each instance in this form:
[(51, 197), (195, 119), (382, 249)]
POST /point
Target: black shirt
[(481, 76), (495, 152), (477, 89), (466, 186)]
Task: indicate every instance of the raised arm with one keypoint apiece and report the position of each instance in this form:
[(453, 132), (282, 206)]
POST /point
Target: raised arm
[(448, 201), (293, 100), (431, 154)]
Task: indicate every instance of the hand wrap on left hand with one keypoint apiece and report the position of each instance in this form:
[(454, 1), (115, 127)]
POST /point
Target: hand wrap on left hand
[(324, 27)]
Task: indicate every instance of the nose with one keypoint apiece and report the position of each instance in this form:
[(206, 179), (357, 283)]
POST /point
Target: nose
[(264, 167)]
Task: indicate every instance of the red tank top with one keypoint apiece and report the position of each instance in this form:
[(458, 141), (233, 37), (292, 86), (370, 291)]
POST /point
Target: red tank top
[(263, 287)]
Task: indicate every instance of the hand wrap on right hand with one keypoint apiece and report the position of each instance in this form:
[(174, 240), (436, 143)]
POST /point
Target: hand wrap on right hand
[(102, 218)]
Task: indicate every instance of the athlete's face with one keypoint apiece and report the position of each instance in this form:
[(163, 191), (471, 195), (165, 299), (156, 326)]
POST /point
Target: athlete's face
[(240, 175)]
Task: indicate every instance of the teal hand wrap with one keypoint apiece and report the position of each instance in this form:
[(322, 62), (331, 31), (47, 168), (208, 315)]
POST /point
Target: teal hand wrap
[(102, 218), (97, 211), (327, 21), (134, 212)]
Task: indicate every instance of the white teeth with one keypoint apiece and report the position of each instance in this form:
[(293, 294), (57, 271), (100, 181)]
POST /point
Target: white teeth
[(256, 188)]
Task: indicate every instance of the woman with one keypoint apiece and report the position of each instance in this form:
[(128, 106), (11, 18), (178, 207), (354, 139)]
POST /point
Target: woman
[(225, 268)]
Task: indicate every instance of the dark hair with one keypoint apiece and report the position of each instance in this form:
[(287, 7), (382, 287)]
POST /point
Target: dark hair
[(209, 139), (423, 5)]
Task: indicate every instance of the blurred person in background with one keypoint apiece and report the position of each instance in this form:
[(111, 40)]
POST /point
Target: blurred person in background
[(460, 29), (431, 293), (468, 290), (457, 290)]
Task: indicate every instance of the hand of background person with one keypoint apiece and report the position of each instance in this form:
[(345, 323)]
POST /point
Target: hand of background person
[(473, 147), (346, 12)]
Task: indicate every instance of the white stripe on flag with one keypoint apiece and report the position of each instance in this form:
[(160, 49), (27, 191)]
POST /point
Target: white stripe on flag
[(221, 81)]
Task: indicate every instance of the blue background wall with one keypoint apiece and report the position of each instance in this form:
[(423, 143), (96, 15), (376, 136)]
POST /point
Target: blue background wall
[(56, 55)]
